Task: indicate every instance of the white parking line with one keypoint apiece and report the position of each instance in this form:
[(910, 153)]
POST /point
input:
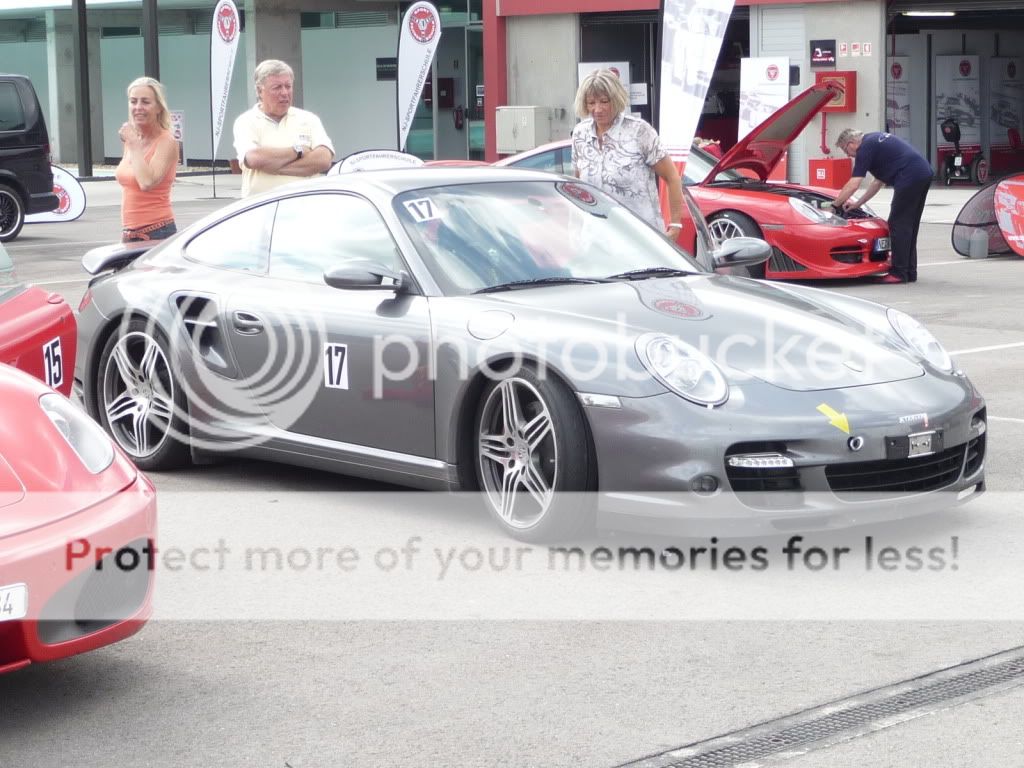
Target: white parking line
[(51, 246), (1006, 418), (988, 349), (946, 263)]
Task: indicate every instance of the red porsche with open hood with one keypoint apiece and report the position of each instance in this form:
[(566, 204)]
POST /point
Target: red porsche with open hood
[(809, 239)]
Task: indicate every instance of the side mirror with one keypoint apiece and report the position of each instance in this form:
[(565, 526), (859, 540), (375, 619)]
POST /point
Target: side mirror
[(366, 277), (741, 252)]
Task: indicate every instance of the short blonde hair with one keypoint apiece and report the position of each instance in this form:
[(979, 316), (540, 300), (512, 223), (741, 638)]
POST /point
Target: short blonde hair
[(269, 68), (164, 118), (848, 136), (601, 83)]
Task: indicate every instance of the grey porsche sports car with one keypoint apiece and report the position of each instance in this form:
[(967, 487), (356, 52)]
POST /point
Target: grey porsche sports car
[(521, 335)]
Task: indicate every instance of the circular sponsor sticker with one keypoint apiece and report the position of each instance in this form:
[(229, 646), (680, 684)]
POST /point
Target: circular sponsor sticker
[(423, 25), (677, 308), (579, 193)]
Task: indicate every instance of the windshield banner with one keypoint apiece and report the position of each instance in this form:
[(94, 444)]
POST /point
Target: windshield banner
[(692, 32), (417, 42)]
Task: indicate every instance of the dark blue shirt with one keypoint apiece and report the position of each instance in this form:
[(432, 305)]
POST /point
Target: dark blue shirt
[(892, 160)]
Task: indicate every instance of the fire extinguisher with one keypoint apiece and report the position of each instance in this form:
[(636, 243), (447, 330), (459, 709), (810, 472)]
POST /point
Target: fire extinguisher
[(459, 116)]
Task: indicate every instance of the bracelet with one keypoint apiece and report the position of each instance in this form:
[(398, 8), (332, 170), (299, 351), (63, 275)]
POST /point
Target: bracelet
[(673, 225)]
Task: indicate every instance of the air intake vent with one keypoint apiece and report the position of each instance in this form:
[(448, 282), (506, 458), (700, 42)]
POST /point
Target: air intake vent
[(347, 19), (897, 476)]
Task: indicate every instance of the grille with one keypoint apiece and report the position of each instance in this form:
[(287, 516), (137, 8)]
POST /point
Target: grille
[(896, 476), (848, 254), (975, 455), (781, 262)]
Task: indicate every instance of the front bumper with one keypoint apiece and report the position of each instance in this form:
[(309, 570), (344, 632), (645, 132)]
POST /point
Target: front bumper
[(80, 599), (662, 457), (816, 251)]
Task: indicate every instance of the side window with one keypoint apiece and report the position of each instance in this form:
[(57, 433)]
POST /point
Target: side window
[(239, 243), (315, 233), (12, 114), (554, 161)]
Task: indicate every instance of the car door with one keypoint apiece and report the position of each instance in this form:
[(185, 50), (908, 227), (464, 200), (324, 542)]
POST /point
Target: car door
[(348, 365)]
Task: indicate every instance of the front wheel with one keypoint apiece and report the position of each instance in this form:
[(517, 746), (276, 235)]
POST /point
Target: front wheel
[(141, 404), (534, 458), (12, 213), (729, 224)]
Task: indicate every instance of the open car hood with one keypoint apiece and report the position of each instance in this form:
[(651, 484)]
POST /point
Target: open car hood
[(761, 149)]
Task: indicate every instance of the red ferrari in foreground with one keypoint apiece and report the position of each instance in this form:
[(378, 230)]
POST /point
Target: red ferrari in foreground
[(809, 239), (77, 522)]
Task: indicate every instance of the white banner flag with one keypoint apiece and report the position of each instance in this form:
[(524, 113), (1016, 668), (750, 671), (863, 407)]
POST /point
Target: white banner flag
[(417, 42), (691, 38), (897, 99), (223, 45), (70, 196)]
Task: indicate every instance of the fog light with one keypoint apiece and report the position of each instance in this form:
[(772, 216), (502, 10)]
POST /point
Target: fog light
[(761, 461), (704, 484)]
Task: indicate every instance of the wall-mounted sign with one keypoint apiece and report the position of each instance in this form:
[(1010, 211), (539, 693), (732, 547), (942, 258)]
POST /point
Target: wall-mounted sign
[(823, 53), (844, 49)]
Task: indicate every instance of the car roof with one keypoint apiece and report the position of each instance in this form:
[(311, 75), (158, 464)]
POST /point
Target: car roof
[(399, 180)]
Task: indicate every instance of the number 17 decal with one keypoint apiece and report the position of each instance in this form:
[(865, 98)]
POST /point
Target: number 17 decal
[(336, 366)]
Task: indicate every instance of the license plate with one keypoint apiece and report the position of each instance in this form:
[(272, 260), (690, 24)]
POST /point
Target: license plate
[(922, 444), (958, 161), (13, 602), (882, 244)]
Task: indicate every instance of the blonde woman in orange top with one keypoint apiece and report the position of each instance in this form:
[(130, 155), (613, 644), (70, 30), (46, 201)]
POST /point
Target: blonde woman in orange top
[(149, 165)]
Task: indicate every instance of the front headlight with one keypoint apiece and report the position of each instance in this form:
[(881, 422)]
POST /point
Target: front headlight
[(920, 339), (84, 435), (817, 215), (683, 369)]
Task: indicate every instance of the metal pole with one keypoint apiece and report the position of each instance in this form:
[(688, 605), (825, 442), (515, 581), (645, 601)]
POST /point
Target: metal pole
[(80, 46), (150, 41)]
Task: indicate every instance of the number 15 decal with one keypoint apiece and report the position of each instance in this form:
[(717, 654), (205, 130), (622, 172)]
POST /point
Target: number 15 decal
[(336, 366), (53, 363)]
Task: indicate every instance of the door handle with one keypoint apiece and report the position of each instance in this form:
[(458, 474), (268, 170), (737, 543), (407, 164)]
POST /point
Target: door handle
[(246, 323)]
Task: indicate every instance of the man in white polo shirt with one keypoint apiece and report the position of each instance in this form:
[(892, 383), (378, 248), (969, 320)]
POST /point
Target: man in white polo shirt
[(277, 143)]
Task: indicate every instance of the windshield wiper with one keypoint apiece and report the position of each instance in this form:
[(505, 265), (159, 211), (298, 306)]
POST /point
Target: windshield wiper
[(516, 284), (647, 272)]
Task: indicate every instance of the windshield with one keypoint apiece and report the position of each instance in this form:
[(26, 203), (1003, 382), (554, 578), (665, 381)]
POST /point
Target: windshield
[(699, 165), (476, 236)]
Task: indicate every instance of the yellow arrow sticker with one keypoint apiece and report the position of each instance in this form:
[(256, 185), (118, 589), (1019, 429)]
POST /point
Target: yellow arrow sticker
[(835, 418)]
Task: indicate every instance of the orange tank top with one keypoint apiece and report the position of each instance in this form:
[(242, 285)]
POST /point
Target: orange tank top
[(139, 208)]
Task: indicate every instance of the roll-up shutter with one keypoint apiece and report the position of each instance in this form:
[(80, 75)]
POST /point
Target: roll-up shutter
[(779, 31)]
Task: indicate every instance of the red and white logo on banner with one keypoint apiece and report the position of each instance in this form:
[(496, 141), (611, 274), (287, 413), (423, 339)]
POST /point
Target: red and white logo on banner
[(423, 24), (897, 70), (70, 199), (1011, 70), (965, 67), (227, 22), (63, 200), (772, 72)]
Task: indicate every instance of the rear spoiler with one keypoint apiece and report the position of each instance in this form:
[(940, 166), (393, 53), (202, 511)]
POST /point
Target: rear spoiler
[(116, 256)]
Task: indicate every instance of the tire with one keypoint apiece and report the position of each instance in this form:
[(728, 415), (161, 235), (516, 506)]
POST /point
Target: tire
[(12, 213), (534, 460), (139, 400), (733, 224), (979, 170)]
